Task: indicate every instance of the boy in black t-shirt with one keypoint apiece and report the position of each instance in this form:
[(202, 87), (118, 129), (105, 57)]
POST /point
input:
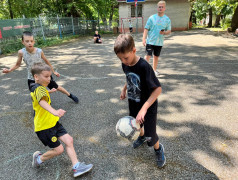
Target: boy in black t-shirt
[(97, 38), (142, 88)]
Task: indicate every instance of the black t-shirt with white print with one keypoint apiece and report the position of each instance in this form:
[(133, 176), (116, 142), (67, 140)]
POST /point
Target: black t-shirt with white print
[(141, 81)]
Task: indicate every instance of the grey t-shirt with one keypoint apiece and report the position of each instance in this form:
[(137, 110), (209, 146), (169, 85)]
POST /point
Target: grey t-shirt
[(30, 59)]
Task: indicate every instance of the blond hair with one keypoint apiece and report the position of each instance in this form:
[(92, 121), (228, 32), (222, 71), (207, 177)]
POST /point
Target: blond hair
[(124, 43), (37, 68), (161, 2)]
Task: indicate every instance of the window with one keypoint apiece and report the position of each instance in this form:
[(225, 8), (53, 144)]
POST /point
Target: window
[(139, 10)]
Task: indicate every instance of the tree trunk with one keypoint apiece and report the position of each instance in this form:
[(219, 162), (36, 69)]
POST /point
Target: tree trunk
[(210, 18), (10, 9), (217, 23), (110, 18), (234, 21)]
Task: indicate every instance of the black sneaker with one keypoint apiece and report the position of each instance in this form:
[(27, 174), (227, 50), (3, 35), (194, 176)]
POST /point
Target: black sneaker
[(161, 159), (74, 98), (139, 141)]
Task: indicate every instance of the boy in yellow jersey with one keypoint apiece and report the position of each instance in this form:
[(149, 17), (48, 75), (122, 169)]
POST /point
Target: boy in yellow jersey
[(47, 127)]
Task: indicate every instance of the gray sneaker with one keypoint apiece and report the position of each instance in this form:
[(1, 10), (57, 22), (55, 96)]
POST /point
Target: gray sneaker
[(161, 159), (34, 161), (82, 168), (139, 141)]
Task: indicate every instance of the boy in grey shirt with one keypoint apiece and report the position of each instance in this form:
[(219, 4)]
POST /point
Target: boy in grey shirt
[(32, 55)]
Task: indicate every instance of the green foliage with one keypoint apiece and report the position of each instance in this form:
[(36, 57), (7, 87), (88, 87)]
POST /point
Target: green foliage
[(226, 23), (224, 8), (15, 45)]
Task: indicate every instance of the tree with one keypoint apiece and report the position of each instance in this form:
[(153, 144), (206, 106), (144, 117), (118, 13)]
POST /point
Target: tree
[(234, 21)]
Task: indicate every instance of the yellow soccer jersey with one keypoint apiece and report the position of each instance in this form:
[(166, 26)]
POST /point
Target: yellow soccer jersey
[(43, 119)]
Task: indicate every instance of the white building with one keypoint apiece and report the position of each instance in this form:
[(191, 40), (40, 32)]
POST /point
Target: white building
[(177, 10)]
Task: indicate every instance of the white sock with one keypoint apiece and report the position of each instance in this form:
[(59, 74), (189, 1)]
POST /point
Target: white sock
[(76, 165), (39, 160)]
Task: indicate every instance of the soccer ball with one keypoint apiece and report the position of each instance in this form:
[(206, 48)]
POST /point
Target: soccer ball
[(128, 128)]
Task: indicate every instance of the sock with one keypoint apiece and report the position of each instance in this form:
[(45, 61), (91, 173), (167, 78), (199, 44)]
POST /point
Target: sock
[(76, 165), (143, 137), (39, 160), (70, 95), (158, 149)]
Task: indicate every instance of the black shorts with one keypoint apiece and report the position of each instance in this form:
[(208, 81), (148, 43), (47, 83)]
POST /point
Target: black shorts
[(149, 123), (49, 137), (151, 49), (98, 40), (51, 85), (131, 29)]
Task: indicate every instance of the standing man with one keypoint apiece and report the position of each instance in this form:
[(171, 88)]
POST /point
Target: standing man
[(156, 27)]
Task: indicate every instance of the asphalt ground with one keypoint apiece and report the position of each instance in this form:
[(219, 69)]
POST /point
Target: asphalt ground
[(197, 114)]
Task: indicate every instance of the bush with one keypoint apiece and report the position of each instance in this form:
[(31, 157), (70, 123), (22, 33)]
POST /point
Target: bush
[(226, 23)]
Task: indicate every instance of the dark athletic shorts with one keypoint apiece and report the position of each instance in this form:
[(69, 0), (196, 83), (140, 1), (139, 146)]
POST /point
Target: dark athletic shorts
[(151, 49), (149, 123), (51, 85), (49, 137), (131, 29)]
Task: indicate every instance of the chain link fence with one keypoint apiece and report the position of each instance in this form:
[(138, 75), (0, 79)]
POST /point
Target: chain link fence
[(44, 27)]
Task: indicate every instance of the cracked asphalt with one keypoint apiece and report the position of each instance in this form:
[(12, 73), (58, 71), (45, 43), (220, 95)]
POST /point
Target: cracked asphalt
[(197, 114)]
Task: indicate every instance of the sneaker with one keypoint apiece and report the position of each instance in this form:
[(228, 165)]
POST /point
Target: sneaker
[(81, 169), (74, 98), (139, 141), (161, 159), (34, 161), (156, 73)]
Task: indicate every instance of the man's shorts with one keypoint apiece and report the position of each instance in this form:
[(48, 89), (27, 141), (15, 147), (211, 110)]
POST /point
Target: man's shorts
[(51, 85), (49, 137), (149, 123), (151, 49)]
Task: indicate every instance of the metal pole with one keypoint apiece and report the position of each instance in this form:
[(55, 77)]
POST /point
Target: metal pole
[(59, 27), (73, 24), (136, 17), (42, 30)]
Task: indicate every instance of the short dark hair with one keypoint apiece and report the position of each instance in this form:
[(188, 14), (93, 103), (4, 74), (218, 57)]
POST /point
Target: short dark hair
[(26, 33), (124, 43), (37, 68)]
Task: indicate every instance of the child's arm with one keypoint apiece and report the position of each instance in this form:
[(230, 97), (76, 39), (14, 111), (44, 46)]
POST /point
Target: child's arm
[(47, 107), (141, 114), (123, 92), (17, 65), (144, 37), (48, 62)]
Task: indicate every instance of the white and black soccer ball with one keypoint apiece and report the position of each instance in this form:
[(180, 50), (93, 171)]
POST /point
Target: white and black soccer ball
[(128, 128)]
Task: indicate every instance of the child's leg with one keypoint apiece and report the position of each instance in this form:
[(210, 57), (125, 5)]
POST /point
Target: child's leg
[(61, 89), (156, 146), (73, 97), (68, 141), (142, 132), (52, 153)]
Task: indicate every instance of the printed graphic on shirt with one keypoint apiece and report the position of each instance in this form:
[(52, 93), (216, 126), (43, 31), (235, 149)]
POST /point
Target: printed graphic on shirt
[(133, 86)]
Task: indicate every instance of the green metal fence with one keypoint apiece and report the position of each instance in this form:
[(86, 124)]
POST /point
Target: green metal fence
[(44, 27)]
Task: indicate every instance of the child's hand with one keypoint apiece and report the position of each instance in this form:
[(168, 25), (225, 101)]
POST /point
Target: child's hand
[(59, 112), (52, 90), (57, 74), (123, 95), (5, 70), (140, 116)]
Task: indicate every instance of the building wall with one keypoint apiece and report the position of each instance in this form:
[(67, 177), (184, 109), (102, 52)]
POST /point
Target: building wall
[(177, 10)]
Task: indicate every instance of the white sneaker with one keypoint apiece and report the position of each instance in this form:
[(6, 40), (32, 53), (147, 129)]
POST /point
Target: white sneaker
[(156, 73), (81, 169), (34, 161)]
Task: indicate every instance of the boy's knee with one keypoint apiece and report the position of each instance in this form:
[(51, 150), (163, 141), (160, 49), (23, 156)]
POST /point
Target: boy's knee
[(59, 150), (70, 141)]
